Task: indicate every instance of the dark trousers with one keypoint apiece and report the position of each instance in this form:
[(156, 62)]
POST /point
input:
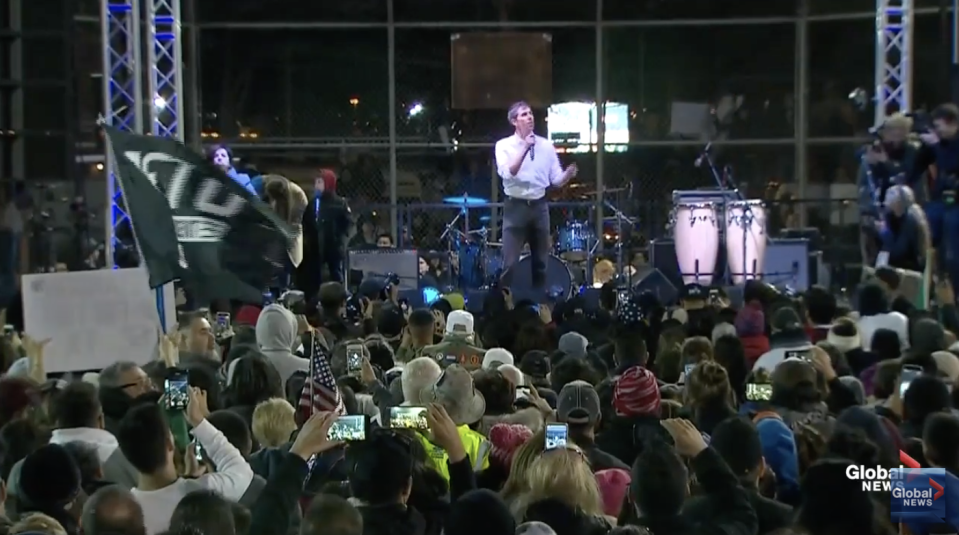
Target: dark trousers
[(333, 260), (526, 222)]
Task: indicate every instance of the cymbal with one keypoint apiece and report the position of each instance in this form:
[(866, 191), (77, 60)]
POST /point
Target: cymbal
[(465, 201)]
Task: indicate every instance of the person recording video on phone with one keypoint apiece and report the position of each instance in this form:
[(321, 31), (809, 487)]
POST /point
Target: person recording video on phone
[(886, 161), (940, 148)]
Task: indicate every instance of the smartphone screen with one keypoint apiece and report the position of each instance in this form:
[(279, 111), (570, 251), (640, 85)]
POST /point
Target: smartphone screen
[(909, 372), (354, 358), (349, 428), (759, 392), (198, 452), (176, 390), (688, 369), (8, 330), (556, 436), (223, 320), (802, 354), (408, 418)]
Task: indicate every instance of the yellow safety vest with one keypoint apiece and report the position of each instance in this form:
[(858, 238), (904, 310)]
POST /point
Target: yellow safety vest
[(476, 446)]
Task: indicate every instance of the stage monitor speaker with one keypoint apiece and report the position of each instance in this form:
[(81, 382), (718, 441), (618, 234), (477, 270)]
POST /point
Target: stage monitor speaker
[(492, 70), (363, 263), (648, 278)]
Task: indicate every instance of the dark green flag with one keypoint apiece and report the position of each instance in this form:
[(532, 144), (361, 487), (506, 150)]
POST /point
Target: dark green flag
[(193, 222)]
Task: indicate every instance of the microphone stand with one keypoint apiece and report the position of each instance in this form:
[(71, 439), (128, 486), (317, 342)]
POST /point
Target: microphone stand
[(747, 211)]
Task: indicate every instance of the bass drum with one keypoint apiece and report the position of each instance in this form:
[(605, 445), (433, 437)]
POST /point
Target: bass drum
[(559, 279)]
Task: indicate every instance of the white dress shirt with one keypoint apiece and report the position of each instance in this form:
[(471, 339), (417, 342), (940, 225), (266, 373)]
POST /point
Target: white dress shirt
[(535, 174)]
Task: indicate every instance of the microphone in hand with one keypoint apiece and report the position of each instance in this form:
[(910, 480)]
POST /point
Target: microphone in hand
[(531, 144)]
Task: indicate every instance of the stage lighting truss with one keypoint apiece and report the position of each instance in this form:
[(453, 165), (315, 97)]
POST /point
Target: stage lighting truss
[(165, 55), (894, 49), (122, 91)]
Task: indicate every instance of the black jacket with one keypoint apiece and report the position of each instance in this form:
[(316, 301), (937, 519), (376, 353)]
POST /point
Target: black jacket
[(770, 514), (277, 505), (625, 438), (329, 232), (734, 513)]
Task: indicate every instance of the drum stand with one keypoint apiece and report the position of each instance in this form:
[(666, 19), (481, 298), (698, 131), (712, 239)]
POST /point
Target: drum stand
[(721, 182), (591, 252)]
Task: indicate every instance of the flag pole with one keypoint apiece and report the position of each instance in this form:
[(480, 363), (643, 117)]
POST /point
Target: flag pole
[(161, 313)]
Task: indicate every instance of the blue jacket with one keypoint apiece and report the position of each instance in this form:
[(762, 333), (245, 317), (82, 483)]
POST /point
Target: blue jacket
[(242, 179)]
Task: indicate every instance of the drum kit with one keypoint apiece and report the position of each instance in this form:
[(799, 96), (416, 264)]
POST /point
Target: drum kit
[(478, 264)]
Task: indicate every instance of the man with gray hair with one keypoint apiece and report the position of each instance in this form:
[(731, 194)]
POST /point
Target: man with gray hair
[(904, 231), (112, 510), (119, 384), (528, 165)]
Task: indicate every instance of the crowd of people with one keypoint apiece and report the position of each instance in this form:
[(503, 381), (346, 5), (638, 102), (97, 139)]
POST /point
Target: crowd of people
[(636, 417)]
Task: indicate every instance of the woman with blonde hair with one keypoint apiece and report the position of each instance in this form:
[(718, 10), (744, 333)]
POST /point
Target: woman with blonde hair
[(561, 478), (709, 396), (517, 483)]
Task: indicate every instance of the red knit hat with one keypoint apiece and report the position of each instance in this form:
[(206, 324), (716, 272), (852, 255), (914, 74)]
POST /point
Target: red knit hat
[(505, 439), (636, 393), (613, 484), (247, 315), (329, 180)]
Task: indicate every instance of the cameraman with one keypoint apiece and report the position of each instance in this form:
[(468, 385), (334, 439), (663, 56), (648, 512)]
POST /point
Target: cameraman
[(336, 326), (940, 146), (886, 162)]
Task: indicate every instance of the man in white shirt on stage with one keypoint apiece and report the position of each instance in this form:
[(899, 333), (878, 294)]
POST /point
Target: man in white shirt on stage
[(528, 165)]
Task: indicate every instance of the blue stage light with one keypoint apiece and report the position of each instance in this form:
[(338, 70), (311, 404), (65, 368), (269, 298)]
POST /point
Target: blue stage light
[(430, 295)]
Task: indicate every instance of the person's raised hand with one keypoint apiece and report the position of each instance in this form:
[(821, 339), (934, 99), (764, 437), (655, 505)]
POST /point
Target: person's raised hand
[(367, 375), (367, 307), (823, 364), (192, 468), (313, 437), (34, 348), (688, 440), (929, 137), (944, 293), (545, 314), (444, 432), (196, 409), (169, 345), (302, 325), (533, 397)]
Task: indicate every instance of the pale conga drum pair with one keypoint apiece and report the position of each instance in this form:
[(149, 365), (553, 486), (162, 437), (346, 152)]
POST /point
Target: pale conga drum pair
[(696, 231)]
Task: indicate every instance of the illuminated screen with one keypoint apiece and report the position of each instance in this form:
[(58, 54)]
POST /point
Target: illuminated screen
[(572, 126)]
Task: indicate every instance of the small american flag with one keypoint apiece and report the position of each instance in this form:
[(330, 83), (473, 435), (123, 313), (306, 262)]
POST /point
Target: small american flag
[(320, 393)]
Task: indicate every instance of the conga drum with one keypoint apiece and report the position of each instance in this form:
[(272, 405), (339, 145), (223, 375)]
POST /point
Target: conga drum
[(745, 239), (696, 233)]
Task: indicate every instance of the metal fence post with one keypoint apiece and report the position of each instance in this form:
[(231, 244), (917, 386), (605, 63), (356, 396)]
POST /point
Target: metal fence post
[(800, 126), (600, 118), (391, 59)]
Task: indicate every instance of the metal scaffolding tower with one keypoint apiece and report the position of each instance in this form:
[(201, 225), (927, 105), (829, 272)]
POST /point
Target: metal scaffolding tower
[(122, 93), (894, 28), (125, 100)]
